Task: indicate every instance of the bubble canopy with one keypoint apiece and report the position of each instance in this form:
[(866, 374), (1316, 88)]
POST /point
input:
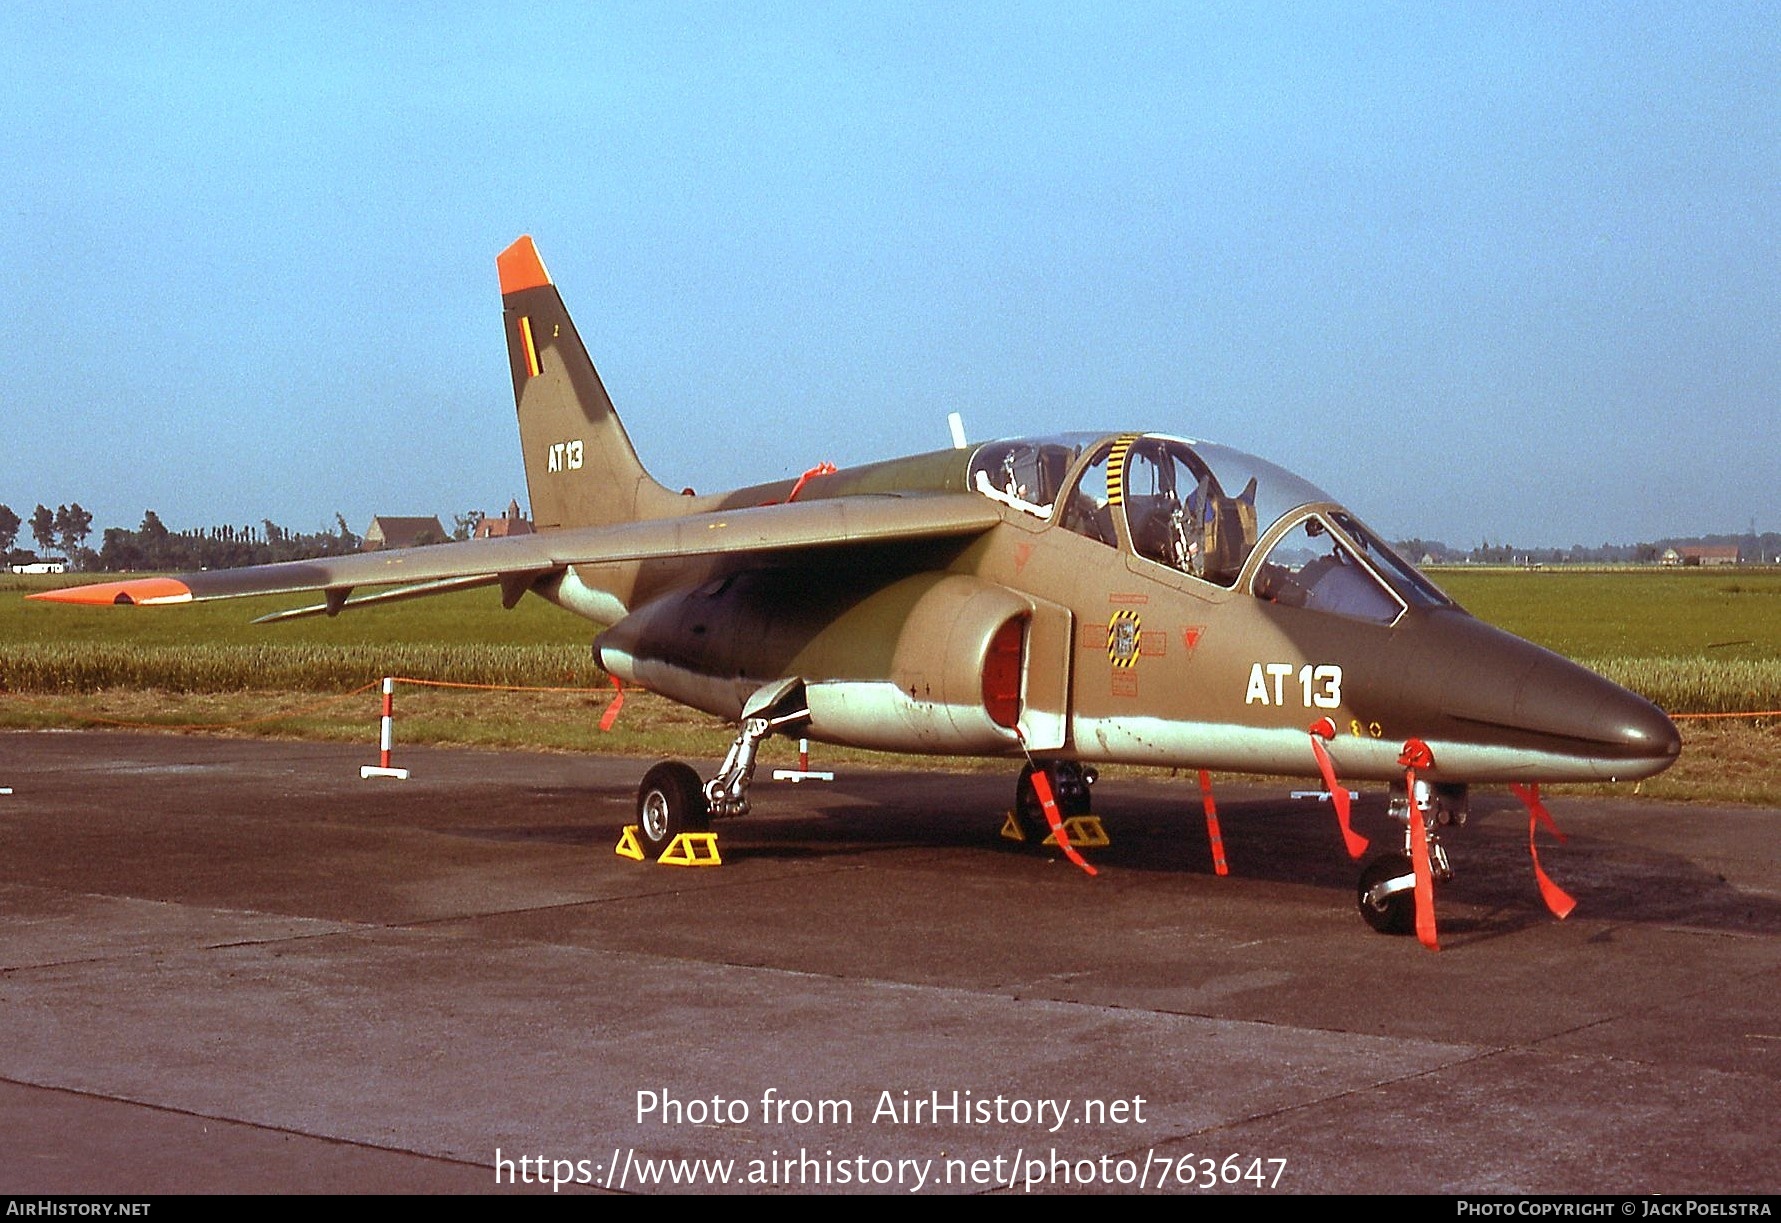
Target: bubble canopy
[(1203, 509)]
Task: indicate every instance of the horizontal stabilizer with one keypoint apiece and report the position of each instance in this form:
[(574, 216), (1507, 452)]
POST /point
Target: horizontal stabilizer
[(144, 591), (398, 595)]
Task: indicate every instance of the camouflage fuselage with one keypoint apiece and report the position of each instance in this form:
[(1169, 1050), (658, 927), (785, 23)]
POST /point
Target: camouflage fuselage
[(1120, 658)]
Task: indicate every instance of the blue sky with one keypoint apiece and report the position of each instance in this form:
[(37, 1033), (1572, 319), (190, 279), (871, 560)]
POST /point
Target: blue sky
[(1497, 271)]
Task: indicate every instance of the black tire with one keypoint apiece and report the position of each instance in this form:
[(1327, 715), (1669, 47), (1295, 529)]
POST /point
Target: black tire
[(1068, 787), (670, 801), (1395, 914)]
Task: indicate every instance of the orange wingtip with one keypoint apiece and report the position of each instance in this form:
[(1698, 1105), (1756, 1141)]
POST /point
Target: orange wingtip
[(520, 267), (140, 591)]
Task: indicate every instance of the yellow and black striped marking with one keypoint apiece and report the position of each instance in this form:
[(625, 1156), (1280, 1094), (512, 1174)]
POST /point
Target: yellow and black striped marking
[(1124, 631), (1116, 467)]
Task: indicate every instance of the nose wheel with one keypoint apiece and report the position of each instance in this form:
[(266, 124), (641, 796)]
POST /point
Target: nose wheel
[(1386, 894), (670, 801)]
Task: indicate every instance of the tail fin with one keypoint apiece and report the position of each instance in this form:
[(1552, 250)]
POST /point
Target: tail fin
[(581, 469)]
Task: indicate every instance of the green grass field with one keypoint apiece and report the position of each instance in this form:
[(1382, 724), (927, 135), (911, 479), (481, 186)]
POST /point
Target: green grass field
[(1635, 613), (1691, 640)]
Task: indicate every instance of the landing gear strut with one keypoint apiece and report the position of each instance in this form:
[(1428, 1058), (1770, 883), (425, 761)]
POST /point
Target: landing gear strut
[(1386, 894), (673, 800), (727, 793)]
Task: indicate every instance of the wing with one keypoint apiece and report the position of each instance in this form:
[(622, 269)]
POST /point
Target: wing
[(516, 562)]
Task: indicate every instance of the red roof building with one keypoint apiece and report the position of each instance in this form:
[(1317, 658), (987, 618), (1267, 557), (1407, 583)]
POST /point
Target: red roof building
[(511, 523)]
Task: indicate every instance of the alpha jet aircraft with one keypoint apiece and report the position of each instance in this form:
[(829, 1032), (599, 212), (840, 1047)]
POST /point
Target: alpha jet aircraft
[(1066, 601)]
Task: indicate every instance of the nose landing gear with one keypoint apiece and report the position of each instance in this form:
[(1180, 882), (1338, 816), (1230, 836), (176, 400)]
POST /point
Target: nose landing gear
[(673, 800), (1386, 893)]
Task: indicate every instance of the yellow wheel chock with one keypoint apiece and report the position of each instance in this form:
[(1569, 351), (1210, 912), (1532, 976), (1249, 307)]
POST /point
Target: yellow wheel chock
[(687, 849), (1084, 831), (627, 846), (692, 849)]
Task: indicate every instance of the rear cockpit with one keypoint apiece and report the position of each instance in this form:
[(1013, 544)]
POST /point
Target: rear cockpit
[(1028, 473), (1218, 515)]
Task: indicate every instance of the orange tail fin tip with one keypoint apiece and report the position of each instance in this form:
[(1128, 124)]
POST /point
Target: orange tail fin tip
[(520, 267)]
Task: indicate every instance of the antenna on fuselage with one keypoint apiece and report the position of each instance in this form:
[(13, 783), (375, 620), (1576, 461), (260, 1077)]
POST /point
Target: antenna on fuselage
[(956, 423)]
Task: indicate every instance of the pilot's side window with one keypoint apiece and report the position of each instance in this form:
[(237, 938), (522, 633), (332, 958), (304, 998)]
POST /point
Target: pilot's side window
[(1310, 567), (1089, 510)]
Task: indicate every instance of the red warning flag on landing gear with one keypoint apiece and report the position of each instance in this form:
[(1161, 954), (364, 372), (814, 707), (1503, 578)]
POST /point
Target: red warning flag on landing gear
[(1048, 804), (1325, 729), (617, 703), (1212, 831), (1416, 755)]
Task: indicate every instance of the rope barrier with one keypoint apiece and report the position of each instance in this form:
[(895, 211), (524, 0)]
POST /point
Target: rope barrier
[(1693, 717), (303, 710), (447, 683)]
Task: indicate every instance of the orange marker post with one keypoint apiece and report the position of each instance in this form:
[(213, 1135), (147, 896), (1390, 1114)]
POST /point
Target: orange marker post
[(803, 771), (386, 737)]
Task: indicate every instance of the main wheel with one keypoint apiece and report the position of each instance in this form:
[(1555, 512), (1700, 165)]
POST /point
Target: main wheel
[(670, 801), (1069, 787), (1393, 912)]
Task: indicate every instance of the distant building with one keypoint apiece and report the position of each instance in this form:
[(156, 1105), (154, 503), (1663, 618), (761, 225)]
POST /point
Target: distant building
[(389, 531), (1700, 554), (43, 564), (513, 522)]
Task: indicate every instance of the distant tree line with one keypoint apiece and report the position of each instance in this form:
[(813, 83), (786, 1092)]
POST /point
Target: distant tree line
[(1752, 549), (64, 532), (153, 546)]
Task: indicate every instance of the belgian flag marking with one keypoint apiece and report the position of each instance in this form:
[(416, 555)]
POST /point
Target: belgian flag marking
[(525, 339)]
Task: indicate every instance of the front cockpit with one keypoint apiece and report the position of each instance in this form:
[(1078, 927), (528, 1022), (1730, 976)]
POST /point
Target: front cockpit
[(1217, 515)]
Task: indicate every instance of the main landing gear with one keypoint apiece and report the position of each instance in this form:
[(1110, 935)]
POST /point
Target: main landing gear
[(1386, 893), (673, 800), (1069, 786)]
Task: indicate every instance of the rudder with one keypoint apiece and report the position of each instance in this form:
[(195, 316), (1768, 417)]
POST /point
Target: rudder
[(581, 469)]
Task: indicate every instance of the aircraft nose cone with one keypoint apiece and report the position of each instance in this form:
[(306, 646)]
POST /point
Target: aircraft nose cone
[(1621, 732), (1640, 729), (1535, 712)]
